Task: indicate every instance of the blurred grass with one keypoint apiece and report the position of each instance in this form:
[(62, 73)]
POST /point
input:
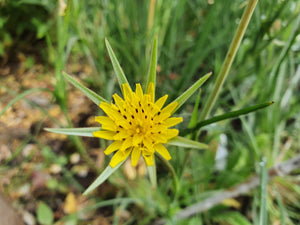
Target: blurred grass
[(193, 39)]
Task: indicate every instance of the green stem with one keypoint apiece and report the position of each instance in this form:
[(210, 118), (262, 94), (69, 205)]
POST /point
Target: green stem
[(171, 169), (229, 58)]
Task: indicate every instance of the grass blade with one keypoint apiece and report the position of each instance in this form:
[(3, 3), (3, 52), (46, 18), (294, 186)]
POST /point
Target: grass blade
[(102, 177), (229, 58), (20, 96), (187, 94), (225, 116), (186, 143), (152, 67), (84, 131), (263, 191), (116, 65), (97, 99)]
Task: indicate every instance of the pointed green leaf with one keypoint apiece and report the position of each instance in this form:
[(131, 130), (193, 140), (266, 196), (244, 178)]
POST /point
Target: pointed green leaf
[(102, 177), (83, 131), (194, 116), (186, 143), (187, 94), (116, 65), (152, 67), (225, 116), (152, 175), (89, 93)]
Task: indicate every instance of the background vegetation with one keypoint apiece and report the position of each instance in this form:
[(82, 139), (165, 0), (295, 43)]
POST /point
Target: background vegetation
[(45, 174)]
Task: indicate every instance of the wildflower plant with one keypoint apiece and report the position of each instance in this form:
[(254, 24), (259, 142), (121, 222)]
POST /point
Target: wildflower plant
[(137, 124)]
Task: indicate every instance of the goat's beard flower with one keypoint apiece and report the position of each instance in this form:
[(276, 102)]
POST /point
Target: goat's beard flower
[(137, 125)]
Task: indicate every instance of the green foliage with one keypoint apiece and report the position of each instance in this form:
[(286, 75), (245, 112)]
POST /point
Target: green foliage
[(23, 22), (44, 214), (193, 38)]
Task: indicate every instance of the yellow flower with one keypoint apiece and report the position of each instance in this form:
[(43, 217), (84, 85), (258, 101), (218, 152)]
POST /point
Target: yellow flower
[(137, 125)]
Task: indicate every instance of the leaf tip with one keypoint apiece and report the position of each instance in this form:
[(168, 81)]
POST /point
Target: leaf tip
[(86, 192)]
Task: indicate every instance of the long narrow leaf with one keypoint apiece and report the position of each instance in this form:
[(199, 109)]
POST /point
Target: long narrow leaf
[(102, 177), (187, 94), (97, 99), (225, 116), (152, 67), (116, 65), (193, 120), (263, 191), (84, 131), (194, 117), (186, 143)]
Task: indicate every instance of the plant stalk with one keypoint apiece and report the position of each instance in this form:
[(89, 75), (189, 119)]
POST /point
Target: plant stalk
[(171, 169), (229, 58)]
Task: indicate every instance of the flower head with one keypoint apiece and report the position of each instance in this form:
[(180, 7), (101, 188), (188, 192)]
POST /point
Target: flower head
[(137, 125)]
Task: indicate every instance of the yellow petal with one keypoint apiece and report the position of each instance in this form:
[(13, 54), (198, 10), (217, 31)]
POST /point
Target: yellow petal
[(151, 92), (106, 122), (126, 144), (127, 92), (170, 108), (139, 91), (108, 135), (148, 143), (109, 110), (170, 122), (135, 155), (160, 117), (149, 159), (161, 101), (137, 138), (171, 133), (161, 149), (160, 138), (113, 147), (119, 157), (119, 101), (123, 134)]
